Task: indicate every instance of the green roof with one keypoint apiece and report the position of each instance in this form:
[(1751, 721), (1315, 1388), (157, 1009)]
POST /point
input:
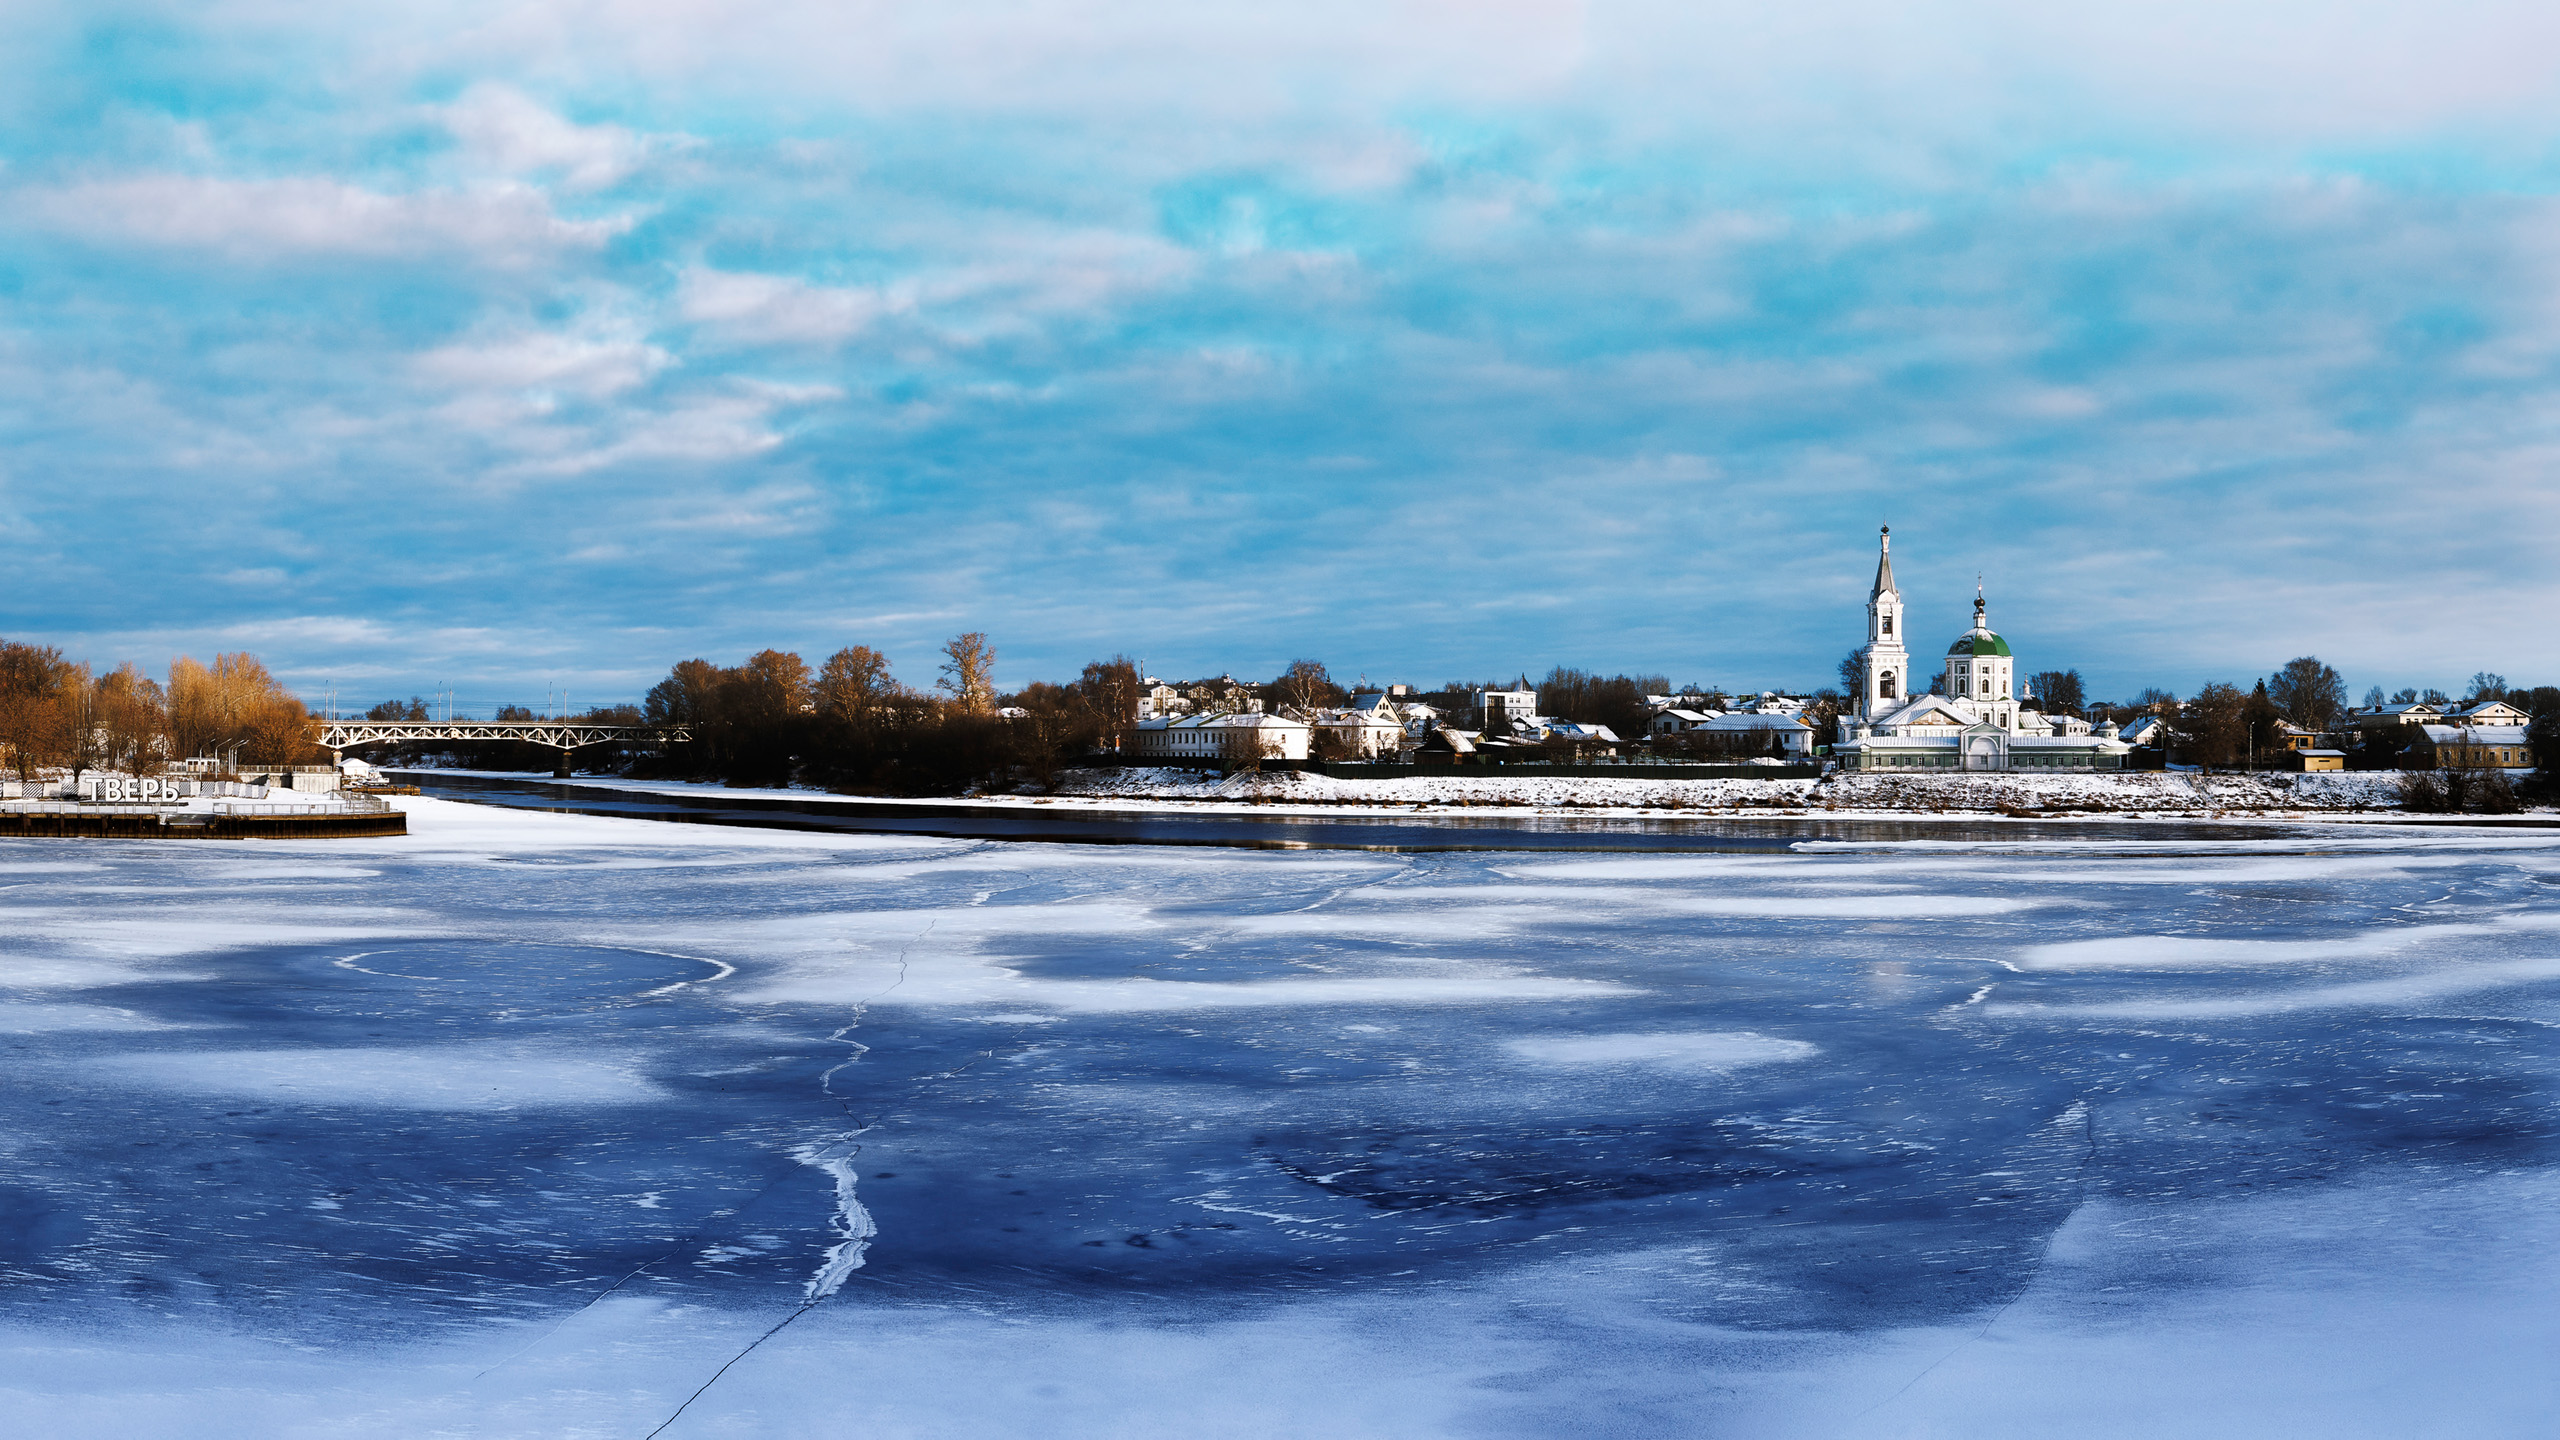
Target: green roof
[(1985, 643)]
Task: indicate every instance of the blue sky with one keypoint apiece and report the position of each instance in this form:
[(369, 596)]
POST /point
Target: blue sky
[(512, 346)]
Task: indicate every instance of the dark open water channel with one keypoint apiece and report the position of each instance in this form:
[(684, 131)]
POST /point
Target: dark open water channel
[(1372, 832)]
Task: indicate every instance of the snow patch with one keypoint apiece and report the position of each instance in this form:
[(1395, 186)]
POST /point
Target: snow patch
[(472, 1077)]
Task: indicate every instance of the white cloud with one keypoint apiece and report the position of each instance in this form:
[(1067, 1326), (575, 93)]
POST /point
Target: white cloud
[(588, 366), (505, 130), (1004, 281), (778, 309), (302, 216)]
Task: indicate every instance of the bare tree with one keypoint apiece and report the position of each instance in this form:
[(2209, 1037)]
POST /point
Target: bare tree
[(78, 742), (133, 716), (688, 696), (855, 685), (2058, 692), (2309, 693), (2487, 686), (771, 687), (968, 672), (1304, 687), (1110, 690), (1853, 671), (1245, 747), (2217, 724), (235, 705), (32, 678)]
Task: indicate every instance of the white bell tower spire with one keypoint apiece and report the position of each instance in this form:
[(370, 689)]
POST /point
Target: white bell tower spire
[(1884, 677)]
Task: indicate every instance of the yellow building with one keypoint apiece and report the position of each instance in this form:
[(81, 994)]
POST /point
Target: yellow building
[(2474, 747)]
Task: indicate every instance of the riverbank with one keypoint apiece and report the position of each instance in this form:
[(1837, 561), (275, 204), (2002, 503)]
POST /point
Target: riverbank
[(2171, 795)]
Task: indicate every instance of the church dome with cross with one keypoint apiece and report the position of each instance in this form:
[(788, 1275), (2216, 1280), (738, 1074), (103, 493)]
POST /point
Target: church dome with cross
[(1972, 718)]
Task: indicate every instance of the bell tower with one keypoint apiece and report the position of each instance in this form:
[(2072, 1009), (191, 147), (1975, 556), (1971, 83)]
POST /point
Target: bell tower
[(1884, 679)]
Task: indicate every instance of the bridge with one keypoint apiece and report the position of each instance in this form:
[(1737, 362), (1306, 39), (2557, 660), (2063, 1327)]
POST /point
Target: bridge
[(564, 736)]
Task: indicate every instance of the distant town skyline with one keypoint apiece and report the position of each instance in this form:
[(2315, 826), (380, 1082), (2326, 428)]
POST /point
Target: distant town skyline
[(535, 347)]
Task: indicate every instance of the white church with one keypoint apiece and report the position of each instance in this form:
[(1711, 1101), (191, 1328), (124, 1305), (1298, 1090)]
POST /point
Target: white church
[(1975, 721)]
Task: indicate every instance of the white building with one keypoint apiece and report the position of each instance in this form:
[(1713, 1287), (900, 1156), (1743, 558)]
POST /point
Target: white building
[(1789, 733), (1977, 723), (1221, 737), (1366, 734), (1672, 722), (1495, 707), (2486, 712), (2387, 718), (1575, 731), (2149, 730)]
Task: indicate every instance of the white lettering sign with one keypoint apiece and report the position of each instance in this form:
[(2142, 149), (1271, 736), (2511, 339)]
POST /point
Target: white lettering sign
[(148, 788)]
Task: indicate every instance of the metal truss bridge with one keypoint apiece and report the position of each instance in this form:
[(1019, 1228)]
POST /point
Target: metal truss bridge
[(564, 736)]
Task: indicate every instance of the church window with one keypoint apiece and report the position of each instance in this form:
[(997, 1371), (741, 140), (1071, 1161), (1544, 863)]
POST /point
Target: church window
[(1888, 624)]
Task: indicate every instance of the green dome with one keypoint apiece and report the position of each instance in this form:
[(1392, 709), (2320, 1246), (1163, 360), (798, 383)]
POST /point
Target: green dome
[(1985, 643)]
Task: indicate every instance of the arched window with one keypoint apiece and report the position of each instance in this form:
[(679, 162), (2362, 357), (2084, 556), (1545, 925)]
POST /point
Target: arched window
[(1884, 686)]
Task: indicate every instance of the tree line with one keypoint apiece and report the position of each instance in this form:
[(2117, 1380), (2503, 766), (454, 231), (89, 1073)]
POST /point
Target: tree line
[(850, 724), (58, 714)]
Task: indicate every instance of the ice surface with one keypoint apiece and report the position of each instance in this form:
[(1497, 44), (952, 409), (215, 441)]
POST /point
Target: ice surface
[(534, 1124), (1697, 1050)]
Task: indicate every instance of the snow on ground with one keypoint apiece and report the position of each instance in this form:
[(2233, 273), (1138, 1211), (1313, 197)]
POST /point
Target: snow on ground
[(544, 1124), (2179, 792), (2171, 793)]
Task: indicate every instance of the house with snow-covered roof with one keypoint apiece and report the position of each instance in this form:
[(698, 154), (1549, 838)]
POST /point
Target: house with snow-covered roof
[(1365, 734), (2387, 718), (2486, 712), (1672, 722), (1219, 737), (2474, 747), (1792, 735), (2149, 730)]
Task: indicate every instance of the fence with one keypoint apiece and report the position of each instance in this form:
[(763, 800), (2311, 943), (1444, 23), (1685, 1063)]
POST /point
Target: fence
[(264, 823), (131, 790), (1624, 770), (1473, 769)]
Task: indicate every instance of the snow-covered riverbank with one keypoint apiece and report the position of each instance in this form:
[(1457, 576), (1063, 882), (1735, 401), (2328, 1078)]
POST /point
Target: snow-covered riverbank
[(2175, 793), (2179, 794)]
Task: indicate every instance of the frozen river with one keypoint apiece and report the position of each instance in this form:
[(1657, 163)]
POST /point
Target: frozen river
[(548, 1124)]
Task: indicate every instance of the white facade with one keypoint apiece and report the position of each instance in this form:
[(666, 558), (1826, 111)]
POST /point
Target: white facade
[(2390, 717), (1977, 723), (1367, 734), (1221, 737), (1884, 674), (1792, 734), (1672, 722), (2487, 712), (1574, 730)]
